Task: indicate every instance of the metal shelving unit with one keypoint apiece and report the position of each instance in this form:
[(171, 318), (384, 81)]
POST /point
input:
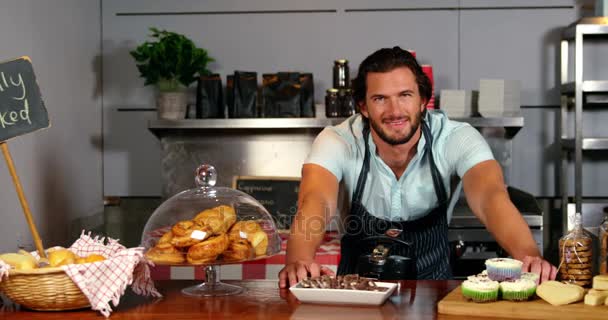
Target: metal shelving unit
[(511, 124), (573, 93)]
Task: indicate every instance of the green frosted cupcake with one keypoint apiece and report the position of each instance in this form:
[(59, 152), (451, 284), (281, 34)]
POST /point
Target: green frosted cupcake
[(517, 290), (480, 289), (530, 276)]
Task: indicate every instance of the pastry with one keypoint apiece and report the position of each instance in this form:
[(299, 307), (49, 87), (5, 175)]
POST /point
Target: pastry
[(208, 250), (192, 236), (181, 228), (165, 253), (220, 218), (259, 241), (238, 250), (242, 229), (557, 293), (166, 238), (600, 282), (213, 219)]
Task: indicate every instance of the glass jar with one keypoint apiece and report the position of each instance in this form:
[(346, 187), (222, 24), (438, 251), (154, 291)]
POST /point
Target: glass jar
[(332, 104), (603, 256), (341, 79), (576, 255), (347, 102)]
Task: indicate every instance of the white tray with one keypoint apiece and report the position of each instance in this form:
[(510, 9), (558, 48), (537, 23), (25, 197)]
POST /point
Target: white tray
[(343, 296)]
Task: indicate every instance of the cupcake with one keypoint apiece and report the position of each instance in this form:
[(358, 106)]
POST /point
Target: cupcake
[(517, 290), (530, 276), (480, 290), (502, 269), (482, 275)]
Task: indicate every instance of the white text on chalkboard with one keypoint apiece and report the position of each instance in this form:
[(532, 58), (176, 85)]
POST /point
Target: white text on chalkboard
[(20, 110)]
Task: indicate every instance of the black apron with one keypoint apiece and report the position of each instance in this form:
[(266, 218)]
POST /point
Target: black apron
[(429, 234)]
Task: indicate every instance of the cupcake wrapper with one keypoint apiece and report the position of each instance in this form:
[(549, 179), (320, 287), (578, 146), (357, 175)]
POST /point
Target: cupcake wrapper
[(518, 295), (503, 274), (480, 296)]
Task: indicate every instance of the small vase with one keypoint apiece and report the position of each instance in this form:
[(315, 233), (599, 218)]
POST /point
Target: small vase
[(172, 105)]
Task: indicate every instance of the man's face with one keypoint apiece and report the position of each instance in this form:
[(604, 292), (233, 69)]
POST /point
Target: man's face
[(393, 105)]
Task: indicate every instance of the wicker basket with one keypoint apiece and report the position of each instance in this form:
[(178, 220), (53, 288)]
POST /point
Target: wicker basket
[(46, 289)]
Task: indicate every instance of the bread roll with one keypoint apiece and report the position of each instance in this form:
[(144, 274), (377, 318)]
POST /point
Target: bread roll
[(61, 257), (19, 261)]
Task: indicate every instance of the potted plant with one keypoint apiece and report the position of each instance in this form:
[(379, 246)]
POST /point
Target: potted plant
[(171, 62)]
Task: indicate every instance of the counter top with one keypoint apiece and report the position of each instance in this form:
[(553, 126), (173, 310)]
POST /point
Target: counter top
[(261, 300)]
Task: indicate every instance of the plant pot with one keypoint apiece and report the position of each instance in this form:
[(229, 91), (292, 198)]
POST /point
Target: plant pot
[(172, 105)]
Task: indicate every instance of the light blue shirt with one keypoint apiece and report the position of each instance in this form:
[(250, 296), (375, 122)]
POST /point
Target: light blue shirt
[(456, 148)]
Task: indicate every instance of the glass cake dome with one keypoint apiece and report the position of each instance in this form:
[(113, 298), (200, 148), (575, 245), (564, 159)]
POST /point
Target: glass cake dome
[(210, 226)]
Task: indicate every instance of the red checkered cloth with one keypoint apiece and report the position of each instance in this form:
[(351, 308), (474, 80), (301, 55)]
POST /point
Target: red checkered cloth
[(328, 255), (105, 281), (4, 269)]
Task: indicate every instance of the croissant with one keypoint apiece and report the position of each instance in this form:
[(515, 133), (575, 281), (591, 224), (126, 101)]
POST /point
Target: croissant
[(192, 236), (179, 229), (165, 253), (219, 218), (208, 250), (243, 229), (253, 232), (238, 250)]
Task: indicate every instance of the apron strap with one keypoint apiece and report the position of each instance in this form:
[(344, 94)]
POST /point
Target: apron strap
[(442, 194), (365, 168)]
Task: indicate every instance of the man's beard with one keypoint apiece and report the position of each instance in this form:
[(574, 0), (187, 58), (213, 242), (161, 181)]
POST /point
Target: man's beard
[(415, 121)]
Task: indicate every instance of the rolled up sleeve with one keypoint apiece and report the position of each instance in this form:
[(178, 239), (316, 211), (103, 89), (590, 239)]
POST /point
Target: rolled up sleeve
[(329, 151), (466, 147)]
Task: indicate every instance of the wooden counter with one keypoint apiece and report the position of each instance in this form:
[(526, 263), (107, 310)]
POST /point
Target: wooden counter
[(261, 300)]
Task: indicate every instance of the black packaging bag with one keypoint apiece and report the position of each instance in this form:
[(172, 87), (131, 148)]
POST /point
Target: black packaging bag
[(307, 95), (281, 94), (230, 95), (244, 95), (209, 97)]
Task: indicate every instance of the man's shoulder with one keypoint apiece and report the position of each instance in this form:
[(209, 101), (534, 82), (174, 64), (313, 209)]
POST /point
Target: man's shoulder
[(349, 131), (441, 125)]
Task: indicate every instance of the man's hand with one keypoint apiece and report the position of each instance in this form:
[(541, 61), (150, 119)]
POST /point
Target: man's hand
[(292, 273), (542, 267)]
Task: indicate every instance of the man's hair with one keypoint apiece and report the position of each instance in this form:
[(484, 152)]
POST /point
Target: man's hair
[(385, 60)]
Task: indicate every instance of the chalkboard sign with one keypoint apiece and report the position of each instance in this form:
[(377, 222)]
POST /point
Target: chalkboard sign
[(21, 107), (279, 195)]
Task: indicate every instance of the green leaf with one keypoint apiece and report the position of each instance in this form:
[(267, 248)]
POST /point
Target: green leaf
[(170, 56)]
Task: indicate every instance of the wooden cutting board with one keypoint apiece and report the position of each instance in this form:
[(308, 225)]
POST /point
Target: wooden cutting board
[(455, 304)]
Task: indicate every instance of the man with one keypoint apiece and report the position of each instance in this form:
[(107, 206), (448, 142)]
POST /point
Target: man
[(395, 161)]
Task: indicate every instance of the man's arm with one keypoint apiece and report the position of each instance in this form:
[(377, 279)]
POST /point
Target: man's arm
[(317, 202), (487, 197)]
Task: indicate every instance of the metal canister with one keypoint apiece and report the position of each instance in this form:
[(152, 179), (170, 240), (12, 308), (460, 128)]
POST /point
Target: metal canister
[(341, 74), (332, 103), (347, 102)]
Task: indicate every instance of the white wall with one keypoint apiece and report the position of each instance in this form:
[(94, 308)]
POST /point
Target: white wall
[(60, 167)]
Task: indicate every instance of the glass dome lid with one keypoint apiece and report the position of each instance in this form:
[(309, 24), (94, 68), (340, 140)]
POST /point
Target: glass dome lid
[(209, 225)]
